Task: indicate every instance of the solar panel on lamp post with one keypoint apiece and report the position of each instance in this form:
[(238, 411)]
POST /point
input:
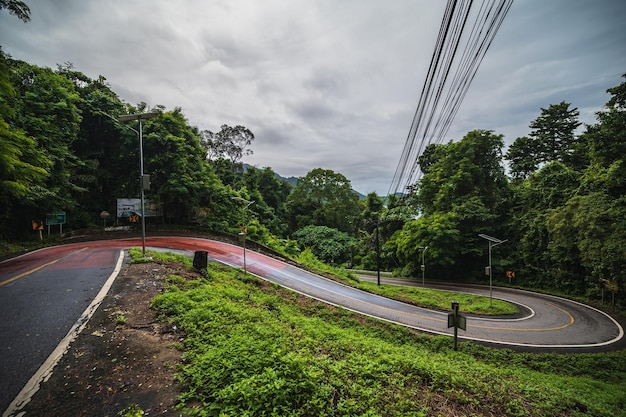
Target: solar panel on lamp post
[(139, 117), (493, 241)]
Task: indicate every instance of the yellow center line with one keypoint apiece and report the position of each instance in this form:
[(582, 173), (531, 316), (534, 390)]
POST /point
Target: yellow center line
[(515, 329), (571, 321), (15, 278)]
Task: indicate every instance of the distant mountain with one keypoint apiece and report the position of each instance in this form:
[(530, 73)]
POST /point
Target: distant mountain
[(361, 196), (291, 180)]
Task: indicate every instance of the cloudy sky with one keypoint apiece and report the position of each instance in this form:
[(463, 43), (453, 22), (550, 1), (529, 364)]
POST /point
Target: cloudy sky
[(326, 83)]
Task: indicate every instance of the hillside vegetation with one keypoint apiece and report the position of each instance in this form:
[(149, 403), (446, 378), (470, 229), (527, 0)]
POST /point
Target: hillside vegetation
[(252, 348)]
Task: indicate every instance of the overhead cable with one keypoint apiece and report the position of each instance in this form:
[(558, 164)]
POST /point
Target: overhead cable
[(448, 79)]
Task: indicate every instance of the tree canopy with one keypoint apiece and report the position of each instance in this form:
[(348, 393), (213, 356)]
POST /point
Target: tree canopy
[(562, 206), (323, 198), (17, 8), (552, 138)]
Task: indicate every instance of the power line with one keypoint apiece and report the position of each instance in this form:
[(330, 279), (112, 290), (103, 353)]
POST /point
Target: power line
[(448, 79)]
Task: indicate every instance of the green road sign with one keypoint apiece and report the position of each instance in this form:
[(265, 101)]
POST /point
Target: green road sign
[(56, 217)]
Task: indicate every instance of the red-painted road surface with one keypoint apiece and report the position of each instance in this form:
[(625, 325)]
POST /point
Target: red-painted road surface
[(43, 293)]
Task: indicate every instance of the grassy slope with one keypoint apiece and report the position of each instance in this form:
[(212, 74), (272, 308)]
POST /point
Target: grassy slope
[(255, 349)]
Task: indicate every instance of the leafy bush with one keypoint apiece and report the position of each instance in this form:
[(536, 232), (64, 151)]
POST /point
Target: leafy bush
[(329, 245)]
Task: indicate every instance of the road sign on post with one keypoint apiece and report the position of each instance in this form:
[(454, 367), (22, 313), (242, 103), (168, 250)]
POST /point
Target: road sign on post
[(510, 275), (39, 227), (57, 217), (456, 320), (54, 218)]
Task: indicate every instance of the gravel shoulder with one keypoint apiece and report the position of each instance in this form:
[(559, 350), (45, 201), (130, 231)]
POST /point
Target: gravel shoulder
[(122, 358)]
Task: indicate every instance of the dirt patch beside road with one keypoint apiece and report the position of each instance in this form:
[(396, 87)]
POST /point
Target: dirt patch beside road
[(123, 357)]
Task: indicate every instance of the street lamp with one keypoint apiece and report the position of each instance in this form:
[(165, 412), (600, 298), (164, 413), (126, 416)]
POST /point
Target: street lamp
[(244, 204), (423, 264), (142, 181), (493, 241)]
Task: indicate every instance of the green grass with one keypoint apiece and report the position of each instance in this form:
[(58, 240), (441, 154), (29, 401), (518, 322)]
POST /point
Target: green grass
[(252, 348), (159, 257), (440, 299), (12, 248)]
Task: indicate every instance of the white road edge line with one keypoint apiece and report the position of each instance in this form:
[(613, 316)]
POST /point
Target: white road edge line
[(45, 370)]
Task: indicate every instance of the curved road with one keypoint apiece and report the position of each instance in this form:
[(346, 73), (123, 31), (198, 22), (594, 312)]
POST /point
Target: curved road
[(43, 293)]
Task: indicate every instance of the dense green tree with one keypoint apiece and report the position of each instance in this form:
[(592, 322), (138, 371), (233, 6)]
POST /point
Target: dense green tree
[(393, 219), (569, 222), (48, 110), (607, 144), (106, 149), (440, 232), (555, 130), (372, 213), (226, 172), (581, 232), (24, 166), (549, 188), (17, 8), (464, 169), (323, 198), (379, 221), (45, 108), (270, 194), (552, 138), (230, 143), (545, 165), (432, 153), (588, 232), (465, 190), (368, 254), (274, 190), (327, 244), (174, 157), (522, 155)]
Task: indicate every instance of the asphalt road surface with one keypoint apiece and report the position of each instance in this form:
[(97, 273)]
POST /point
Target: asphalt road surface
[(45, 295), (42, 296)]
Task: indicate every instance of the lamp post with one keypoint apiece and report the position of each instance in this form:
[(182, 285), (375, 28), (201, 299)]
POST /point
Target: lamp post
[(423, 264), (493, 241), (139, 117), (244, 204)]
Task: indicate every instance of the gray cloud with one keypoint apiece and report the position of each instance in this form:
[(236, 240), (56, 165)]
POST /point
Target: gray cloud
[(324, 83)]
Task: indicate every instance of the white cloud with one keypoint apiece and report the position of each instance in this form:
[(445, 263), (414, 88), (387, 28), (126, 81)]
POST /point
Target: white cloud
[(325, 83)]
